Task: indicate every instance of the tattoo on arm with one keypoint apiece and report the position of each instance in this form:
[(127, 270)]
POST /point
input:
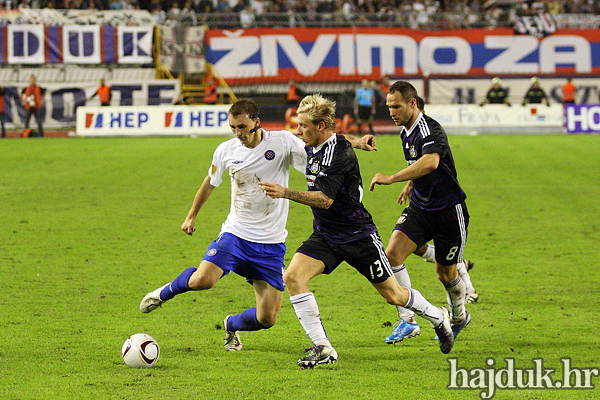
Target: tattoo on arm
[(313, 199)]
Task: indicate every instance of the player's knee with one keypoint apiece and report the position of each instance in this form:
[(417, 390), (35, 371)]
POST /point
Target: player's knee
[(267, 321), (200, 282), (291, 278)]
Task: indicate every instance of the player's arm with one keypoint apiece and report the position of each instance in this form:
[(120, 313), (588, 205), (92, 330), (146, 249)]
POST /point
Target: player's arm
[(199, 199), (314, 199), (421, 167), (366, 143)]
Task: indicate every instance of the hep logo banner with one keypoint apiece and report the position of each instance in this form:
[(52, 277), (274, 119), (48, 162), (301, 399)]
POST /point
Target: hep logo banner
[(153, 120), (171, 122)]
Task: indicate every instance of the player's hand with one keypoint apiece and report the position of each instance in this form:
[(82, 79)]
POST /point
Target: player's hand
[(367, 143), (405, 194), (272, 189), (188, 226), (380, 179)]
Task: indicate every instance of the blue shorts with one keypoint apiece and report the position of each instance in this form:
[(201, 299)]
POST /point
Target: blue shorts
[(253, 261)]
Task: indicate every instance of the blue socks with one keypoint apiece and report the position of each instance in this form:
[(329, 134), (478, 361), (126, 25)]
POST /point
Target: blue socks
[(179, 285), (246, 321)]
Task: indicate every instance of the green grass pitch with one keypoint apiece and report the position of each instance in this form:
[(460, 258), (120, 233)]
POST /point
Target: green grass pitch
[(89, 226)]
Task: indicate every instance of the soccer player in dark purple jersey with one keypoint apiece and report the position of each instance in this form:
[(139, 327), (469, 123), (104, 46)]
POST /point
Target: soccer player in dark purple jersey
[(343, 231), (437, 209), (407, 327)]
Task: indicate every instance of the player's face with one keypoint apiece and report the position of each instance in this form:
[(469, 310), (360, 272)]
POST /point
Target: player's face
[(402, 112), (242, 126), (310, 133)]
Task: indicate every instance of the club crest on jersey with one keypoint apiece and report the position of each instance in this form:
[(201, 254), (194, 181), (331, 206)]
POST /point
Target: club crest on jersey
[(212, 252), (314, 166), (401, 219), (269, 155), (412, 151)]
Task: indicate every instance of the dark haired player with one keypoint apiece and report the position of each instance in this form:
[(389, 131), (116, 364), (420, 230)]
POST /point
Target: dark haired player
[(437, 209), (343, 231)]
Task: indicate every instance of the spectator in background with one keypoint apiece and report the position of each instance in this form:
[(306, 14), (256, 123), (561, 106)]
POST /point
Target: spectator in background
[(187, 16), (385, 85), (568, 92), (379, 98), (210, 92), (247, 17), (535, 94), (364, 101), (496, 94), (33, 99), (159, 14), (2, 92), (104, 94), (293, 94)]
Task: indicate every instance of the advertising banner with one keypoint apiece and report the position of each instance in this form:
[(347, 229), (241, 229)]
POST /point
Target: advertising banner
[(161, 120), (582, 118), (262, 55), (62, 100), (498, 118), (75, 44)]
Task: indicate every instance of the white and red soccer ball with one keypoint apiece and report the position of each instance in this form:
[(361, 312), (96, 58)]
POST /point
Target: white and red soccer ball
[(140, 351)]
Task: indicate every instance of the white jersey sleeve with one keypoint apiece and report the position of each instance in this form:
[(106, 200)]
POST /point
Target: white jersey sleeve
[(217, 167), (297, 152)]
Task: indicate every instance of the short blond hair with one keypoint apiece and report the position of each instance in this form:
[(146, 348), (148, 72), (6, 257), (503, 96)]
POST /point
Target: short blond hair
[(318, 109)]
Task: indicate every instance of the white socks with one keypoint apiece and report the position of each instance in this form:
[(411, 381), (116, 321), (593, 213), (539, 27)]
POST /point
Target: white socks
[(307, 310), (429, 255), (456, 298), (403, 279), (425, 309), (464, 275)]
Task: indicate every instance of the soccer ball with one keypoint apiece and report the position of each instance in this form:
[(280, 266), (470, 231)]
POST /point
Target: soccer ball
[(140, 351)]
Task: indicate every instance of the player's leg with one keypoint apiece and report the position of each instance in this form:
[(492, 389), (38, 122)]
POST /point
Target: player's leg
[(397, 250), (450, 240), (427, 252), (412, 299), (367, 257), (301, 270), (263, 316), (201, 278), (219, 259), (262, 264)]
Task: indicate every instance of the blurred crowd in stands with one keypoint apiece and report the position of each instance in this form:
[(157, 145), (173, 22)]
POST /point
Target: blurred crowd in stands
[(416, 14)]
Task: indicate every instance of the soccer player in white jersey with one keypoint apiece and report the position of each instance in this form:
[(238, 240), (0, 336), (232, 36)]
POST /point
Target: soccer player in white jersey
[(251, 241)]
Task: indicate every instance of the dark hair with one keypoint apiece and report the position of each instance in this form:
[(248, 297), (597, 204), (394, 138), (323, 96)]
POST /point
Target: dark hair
[(407, 90), (244, 107), (420, 103)]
